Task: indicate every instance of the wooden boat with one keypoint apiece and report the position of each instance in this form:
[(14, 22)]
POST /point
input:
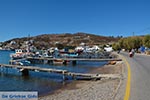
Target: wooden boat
[(60, 61)]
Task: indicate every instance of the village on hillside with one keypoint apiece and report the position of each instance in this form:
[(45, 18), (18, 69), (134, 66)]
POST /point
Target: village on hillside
[(80, 45)]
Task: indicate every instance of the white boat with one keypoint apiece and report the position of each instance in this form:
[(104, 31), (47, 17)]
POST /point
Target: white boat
[(21, 62), (17, 55)]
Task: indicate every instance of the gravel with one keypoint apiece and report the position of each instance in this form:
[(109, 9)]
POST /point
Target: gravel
[(106, 89)]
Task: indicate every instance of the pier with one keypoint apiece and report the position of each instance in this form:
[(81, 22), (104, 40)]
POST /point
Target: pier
[(73, 60), (25, 71)]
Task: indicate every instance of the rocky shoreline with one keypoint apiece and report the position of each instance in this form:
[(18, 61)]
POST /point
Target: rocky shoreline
[(104, 89)]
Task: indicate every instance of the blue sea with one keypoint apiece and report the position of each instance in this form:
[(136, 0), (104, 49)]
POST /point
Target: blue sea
[(43, 82)]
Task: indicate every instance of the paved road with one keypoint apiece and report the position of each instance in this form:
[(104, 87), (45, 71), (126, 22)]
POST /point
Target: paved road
[(140, 76)]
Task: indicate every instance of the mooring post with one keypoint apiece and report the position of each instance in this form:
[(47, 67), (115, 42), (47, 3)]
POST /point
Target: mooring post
[(25, 72), (65, 62), (45, 61), (50, 61), (64, 78), (73, 77), (1, 68), (6, 70), (74, 62)]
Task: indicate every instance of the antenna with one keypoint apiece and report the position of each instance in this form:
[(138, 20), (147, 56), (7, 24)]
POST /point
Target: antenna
[(133, 33), (28, 35)]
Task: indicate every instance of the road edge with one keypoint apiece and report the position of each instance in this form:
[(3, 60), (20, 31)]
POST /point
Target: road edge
[(128, 83)]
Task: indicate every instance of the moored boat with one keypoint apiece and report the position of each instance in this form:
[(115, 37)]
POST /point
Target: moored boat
[(19, 54), (22, 62), (60, 61)]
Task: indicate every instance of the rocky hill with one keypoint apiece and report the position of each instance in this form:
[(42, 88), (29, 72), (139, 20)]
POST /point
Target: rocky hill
[(45, 41)]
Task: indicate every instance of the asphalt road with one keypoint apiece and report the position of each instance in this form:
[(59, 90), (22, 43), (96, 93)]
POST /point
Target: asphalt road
[(140, 76)]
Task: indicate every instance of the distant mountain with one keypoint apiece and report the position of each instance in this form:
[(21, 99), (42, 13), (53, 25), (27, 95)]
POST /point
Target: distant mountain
[(46, 41)]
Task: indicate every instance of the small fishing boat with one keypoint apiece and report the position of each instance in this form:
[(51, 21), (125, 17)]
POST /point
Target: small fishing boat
[(60, 61), (21, 62), (17, 55), (20, 54)]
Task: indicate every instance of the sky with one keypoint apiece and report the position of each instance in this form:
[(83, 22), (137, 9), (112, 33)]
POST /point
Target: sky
[(20, 18)]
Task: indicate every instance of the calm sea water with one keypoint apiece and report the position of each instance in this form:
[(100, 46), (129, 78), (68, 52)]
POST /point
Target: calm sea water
[(12, 80)]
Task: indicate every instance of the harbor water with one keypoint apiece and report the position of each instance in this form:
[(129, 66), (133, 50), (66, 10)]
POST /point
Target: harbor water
[(43, 82)]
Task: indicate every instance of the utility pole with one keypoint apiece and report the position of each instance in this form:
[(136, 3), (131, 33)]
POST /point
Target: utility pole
[(133, 33)]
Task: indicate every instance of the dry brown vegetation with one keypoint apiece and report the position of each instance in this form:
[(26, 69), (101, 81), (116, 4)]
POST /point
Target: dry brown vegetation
[(65, 39)]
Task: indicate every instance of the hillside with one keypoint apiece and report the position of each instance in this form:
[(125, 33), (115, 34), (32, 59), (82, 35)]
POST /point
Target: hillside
[(45, 41)]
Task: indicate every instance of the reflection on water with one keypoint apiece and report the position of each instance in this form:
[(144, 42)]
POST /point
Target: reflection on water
[(11, 79), (9, 82)]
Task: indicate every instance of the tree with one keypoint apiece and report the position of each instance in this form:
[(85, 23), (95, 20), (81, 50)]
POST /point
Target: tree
[(130, 43), (146, 41), (59, 46), (121, 42), (116, 46), (137, 42)]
